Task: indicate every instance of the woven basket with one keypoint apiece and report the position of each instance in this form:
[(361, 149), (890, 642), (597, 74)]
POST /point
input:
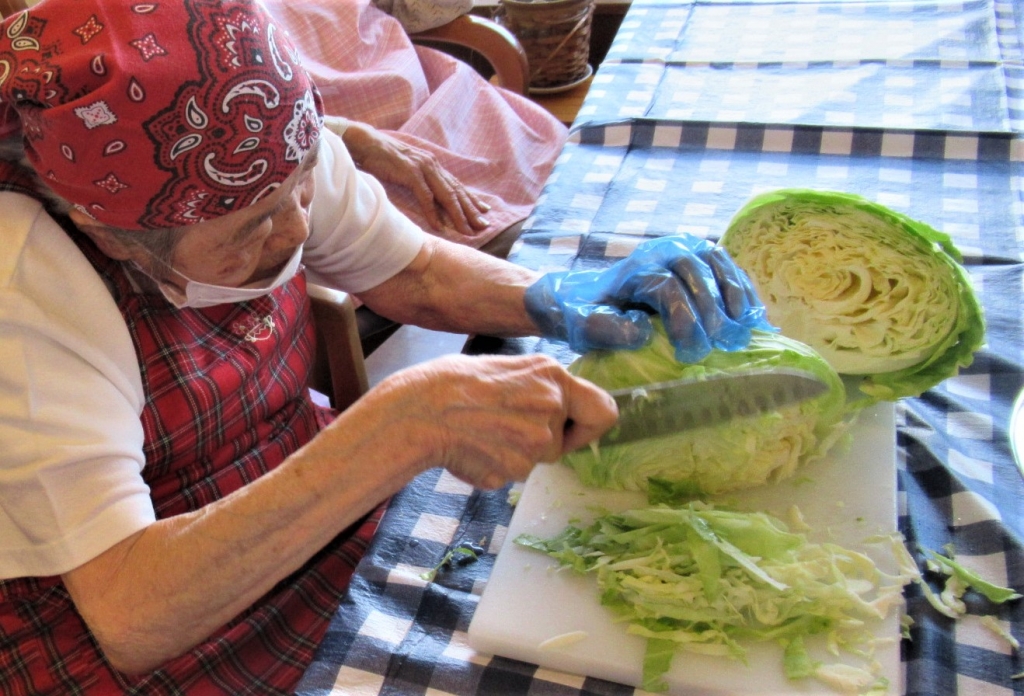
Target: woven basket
[(555, 35)]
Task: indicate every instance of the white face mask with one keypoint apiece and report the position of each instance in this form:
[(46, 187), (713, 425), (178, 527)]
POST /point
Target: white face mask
[(198, 295)]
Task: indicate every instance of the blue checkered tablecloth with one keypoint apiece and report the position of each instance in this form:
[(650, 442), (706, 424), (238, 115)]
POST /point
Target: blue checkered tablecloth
[(666, 143), (919, 65)]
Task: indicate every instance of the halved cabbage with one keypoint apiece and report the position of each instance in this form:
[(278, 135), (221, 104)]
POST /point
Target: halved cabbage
[(726, 457), (874, 292)]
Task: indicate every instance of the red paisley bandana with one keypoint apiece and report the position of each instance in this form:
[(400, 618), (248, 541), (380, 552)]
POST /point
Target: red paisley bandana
[(159, 114)]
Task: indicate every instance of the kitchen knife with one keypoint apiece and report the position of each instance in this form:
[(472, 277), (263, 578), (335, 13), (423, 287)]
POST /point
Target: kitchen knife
[(665, 408)]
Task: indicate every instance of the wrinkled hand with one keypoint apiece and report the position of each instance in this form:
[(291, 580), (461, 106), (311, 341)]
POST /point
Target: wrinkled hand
[(489, 420), (437, 191), (704, 299)]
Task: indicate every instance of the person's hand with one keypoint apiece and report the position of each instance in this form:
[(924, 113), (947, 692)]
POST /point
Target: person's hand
[(704, 299), (437, 191), (488, 419)]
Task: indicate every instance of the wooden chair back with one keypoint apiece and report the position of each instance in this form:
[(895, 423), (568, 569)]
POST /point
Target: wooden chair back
[(339, 371), (494, 43), (9, 7)]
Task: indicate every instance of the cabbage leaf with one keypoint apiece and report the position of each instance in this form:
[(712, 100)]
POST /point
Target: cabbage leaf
[(730, 456), (876, 293)]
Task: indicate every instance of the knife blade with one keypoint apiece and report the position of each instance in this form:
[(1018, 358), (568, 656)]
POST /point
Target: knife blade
[(665, 408)]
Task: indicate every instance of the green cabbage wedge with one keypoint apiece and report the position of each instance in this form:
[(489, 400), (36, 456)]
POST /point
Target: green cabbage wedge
[(730, 456), (880, 296)]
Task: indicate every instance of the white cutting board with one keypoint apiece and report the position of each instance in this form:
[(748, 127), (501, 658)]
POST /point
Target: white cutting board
[(845, 498)]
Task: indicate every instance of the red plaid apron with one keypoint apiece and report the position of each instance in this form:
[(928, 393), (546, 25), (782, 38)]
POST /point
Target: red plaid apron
[(226, 402)]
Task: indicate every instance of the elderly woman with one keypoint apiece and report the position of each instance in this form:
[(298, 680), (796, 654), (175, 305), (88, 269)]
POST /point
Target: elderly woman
[(176, 515)]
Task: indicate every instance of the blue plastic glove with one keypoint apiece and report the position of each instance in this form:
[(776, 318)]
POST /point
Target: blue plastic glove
[(705, 300)]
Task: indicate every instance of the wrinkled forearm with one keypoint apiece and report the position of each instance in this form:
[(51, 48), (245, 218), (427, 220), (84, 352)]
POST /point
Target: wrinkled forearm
[(451, 287), (162, 591), (487, 419)]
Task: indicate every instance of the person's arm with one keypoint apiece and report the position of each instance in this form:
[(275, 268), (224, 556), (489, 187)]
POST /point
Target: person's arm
[(444, 200), (451, 287), (703, 299), (488, 420)]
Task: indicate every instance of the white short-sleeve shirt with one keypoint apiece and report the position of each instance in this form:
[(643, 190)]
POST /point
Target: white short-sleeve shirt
[(70, 386)]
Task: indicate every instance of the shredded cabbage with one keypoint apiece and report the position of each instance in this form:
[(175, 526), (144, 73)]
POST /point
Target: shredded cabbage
[(958, 580), (876, 293), (726, 457), (707, 580)]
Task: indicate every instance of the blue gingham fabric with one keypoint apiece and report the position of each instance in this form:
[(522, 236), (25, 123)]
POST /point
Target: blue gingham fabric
[(922, 65), (950, 155)]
